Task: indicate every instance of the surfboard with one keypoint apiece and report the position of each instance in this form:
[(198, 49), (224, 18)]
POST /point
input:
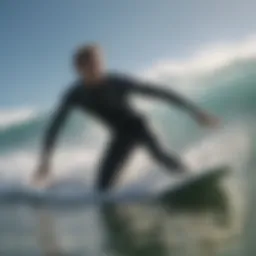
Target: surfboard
[(201, 189)]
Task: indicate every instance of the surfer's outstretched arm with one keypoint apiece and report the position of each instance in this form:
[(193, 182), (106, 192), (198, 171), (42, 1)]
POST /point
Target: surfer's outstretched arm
[(172, 97), (51, 136), (168, 95)]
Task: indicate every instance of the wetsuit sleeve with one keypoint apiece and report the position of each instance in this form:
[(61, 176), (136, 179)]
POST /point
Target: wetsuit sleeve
[(157, 91), (56, 124)]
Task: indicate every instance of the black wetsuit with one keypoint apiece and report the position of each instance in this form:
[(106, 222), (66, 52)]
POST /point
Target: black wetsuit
[(108, 101)]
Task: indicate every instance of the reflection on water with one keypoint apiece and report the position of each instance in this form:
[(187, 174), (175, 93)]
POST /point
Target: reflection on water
[(47, 236), (160, 228)]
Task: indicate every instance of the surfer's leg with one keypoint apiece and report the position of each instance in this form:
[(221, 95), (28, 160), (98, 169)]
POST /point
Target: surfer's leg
[(169, 161), (115, 156)]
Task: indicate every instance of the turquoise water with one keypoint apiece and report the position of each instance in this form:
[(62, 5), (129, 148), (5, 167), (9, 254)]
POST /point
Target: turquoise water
[(153, 228)]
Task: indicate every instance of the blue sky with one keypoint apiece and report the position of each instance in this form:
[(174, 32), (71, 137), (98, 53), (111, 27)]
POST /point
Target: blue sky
[(38, 37)]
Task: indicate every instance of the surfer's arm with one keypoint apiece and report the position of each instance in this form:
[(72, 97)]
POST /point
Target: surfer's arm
[(168, 95), (53, 131), (172, 97)]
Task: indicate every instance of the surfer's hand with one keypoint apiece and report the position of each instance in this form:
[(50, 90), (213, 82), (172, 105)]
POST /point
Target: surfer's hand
[(207, 120), (40, 177)]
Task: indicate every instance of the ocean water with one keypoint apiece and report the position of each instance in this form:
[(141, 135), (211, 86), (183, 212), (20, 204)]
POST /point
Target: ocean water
[(68, 220)]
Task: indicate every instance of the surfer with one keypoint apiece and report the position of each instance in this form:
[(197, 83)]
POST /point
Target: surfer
[(105, 96)]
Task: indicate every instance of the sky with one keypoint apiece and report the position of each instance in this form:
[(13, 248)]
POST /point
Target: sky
[(38, 38)]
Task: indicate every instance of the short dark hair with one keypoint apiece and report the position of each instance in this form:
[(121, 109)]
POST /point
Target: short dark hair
[(85, 53)]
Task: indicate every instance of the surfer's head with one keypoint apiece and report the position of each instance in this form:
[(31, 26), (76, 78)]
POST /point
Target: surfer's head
[(89, 62)]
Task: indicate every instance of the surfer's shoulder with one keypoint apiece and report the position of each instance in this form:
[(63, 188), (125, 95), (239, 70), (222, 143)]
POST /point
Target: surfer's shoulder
[(121, 79), (72, 91)]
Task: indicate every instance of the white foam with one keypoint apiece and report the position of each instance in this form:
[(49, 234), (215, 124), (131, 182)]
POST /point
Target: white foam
[(10, 117), (80, 162), (229, 147)]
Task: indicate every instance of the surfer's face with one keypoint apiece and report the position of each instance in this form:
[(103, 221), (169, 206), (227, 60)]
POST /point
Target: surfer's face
[(93, 68)]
